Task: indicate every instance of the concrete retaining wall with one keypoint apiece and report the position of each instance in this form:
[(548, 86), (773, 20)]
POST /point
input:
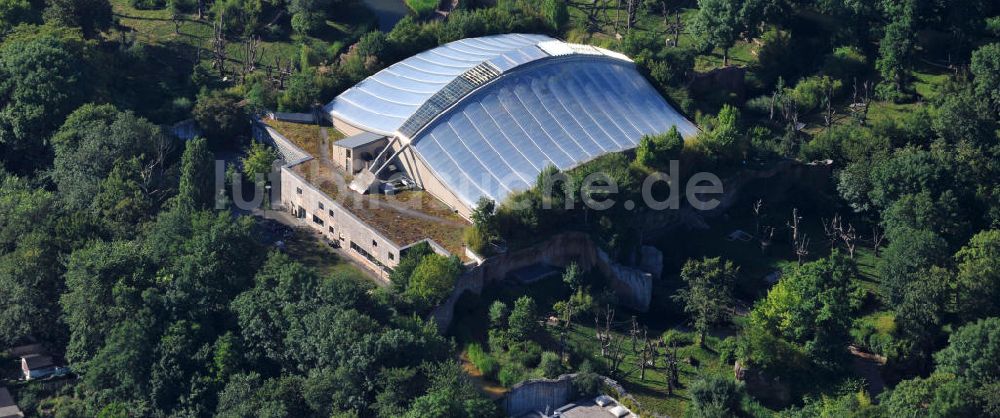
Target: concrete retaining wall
[(632, 286), (545, 395), (290, 153), (309, 118)]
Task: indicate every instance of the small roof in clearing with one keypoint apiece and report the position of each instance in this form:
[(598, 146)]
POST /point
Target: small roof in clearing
[(37, 361), (358, 140)]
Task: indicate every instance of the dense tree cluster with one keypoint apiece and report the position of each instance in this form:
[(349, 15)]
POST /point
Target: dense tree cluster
[(110, 253)]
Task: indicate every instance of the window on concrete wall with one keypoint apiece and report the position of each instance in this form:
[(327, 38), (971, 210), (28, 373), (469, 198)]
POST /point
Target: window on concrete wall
[(374, 244), (392, 256), (317, 220), (331, 213), (321, 205), (331, 229), (298, 190)]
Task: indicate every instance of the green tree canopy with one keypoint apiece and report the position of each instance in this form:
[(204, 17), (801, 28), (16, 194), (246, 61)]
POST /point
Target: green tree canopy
[(973, 352), (720, 23), (708, 296), (939, 395), (523, 320), (91, 16), (40, 83), (986, 70), (656, 151), (96, 137), (13, 12), (978, 281), (811, 306), (197, 184), (433, 279), (258, 161), (222, 117), (910, 252)]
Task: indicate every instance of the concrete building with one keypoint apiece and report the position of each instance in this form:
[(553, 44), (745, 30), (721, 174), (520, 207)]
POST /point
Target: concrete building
[(8, 409), (430, 136)]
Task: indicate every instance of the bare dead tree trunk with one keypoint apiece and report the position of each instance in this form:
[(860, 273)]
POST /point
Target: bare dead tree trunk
[(830, 232), (850, 238), (802, 248), (877, 236), (838, 232), (766, 238), (677, 28), (219, 48), (617, 351), (251, 55), (644, 355), (670, 366), (793, 224), (757, 206), (829, 106), (634, 332), (618, 15), (631, 12)]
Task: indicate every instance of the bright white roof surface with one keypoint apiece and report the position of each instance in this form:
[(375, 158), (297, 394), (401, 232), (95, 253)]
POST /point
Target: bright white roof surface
[(488, 114), (382, 102)]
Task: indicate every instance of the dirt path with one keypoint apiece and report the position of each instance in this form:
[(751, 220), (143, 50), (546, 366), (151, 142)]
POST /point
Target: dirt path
[(868, 366), (491, 390)]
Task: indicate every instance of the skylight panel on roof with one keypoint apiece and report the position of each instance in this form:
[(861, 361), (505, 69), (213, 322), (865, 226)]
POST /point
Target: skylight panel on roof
[(555, 48)]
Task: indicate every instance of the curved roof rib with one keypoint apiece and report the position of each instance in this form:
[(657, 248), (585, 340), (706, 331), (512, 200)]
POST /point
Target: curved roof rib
[(383, 102)]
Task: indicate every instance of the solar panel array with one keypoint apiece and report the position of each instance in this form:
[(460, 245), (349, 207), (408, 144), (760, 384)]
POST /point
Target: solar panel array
[(561, 111)]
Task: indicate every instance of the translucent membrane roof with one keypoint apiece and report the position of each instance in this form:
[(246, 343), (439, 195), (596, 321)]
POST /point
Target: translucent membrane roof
[(561, 112), (488, 114), (383, 102)]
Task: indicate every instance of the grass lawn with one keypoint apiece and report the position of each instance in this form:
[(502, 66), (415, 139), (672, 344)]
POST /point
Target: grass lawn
[(423, 7), (155, 27), (471, 315), (304, 135), (306, 248), (651, 392)]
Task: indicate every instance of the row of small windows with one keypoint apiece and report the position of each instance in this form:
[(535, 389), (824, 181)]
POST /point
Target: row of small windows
[(319, 221)]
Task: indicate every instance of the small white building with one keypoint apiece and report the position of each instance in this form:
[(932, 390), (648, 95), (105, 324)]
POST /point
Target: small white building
[(37, 366)]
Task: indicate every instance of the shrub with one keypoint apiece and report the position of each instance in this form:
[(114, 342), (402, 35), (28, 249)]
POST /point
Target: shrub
[(550, 365), (498, 340), (498, 314), (727, 350), (716, 396), (810, 92), (476, 239), (845, 63), (510, 374), (760, 105), (587, 382), (483, 361), (525, 353), (422, 7), (148, 4), (678, 338)]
